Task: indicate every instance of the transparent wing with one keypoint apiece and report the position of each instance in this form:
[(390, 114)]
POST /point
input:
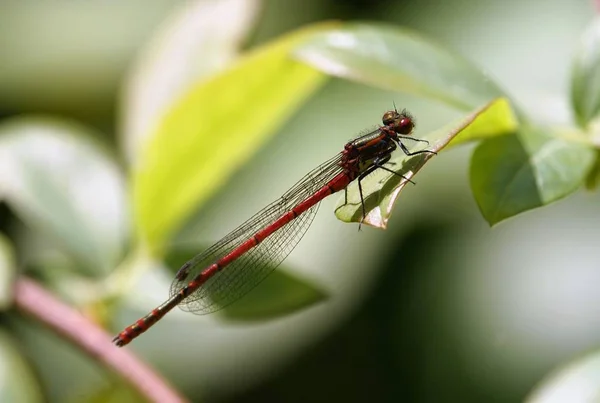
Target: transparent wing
[(246, 272)]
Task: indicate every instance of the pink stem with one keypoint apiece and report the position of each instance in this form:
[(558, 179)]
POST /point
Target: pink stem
[(34, 300)]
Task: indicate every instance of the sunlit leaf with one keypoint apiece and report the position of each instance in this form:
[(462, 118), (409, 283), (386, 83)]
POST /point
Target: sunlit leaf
[(18, 379), (498, 119), (398, 59), (200, 39), (585, 77), (212, 130), (512, 174), (381, 189), (8, 270), (578, 381), (60, 182)]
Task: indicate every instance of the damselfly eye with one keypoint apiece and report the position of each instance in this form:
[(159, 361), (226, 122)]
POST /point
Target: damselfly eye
[(404, 125), (389, 117)]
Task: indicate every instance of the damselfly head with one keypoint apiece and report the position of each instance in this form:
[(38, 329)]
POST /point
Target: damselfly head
[(401, 122), (389, 117)]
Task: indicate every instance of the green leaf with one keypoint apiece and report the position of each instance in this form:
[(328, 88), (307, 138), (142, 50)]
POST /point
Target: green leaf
[(212, 131), (381, 189), (60, 183), (578, 381), (497, 120), (512, 174), (18, 379), (591, 182), (8, 269), (278, 295), (198, 40), (585, 77), (398, 59), (114, 393)]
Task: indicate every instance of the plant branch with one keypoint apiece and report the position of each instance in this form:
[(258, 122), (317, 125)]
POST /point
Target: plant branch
[(35, 301)]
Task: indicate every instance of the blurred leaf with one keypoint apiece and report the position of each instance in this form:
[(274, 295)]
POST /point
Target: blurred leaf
[(59, 182), (512, 174), (578, 382), (398, 59), (115, 393), (200, 39), (278, 295), (8, 270), (381, 189), (18, 379), (211, 131), (585, 77), (591, 182)]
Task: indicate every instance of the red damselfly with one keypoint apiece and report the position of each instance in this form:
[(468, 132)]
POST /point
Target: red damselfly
[(241, 260)]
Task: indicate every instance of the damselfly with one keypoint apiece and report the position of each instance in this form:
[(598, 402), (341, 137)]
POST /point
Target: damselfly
[(241, 260)]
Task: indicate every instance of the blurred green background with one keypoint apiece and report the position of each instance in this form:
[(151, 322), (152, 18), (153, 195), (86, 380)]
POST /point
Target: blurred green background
[(437, 308)]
